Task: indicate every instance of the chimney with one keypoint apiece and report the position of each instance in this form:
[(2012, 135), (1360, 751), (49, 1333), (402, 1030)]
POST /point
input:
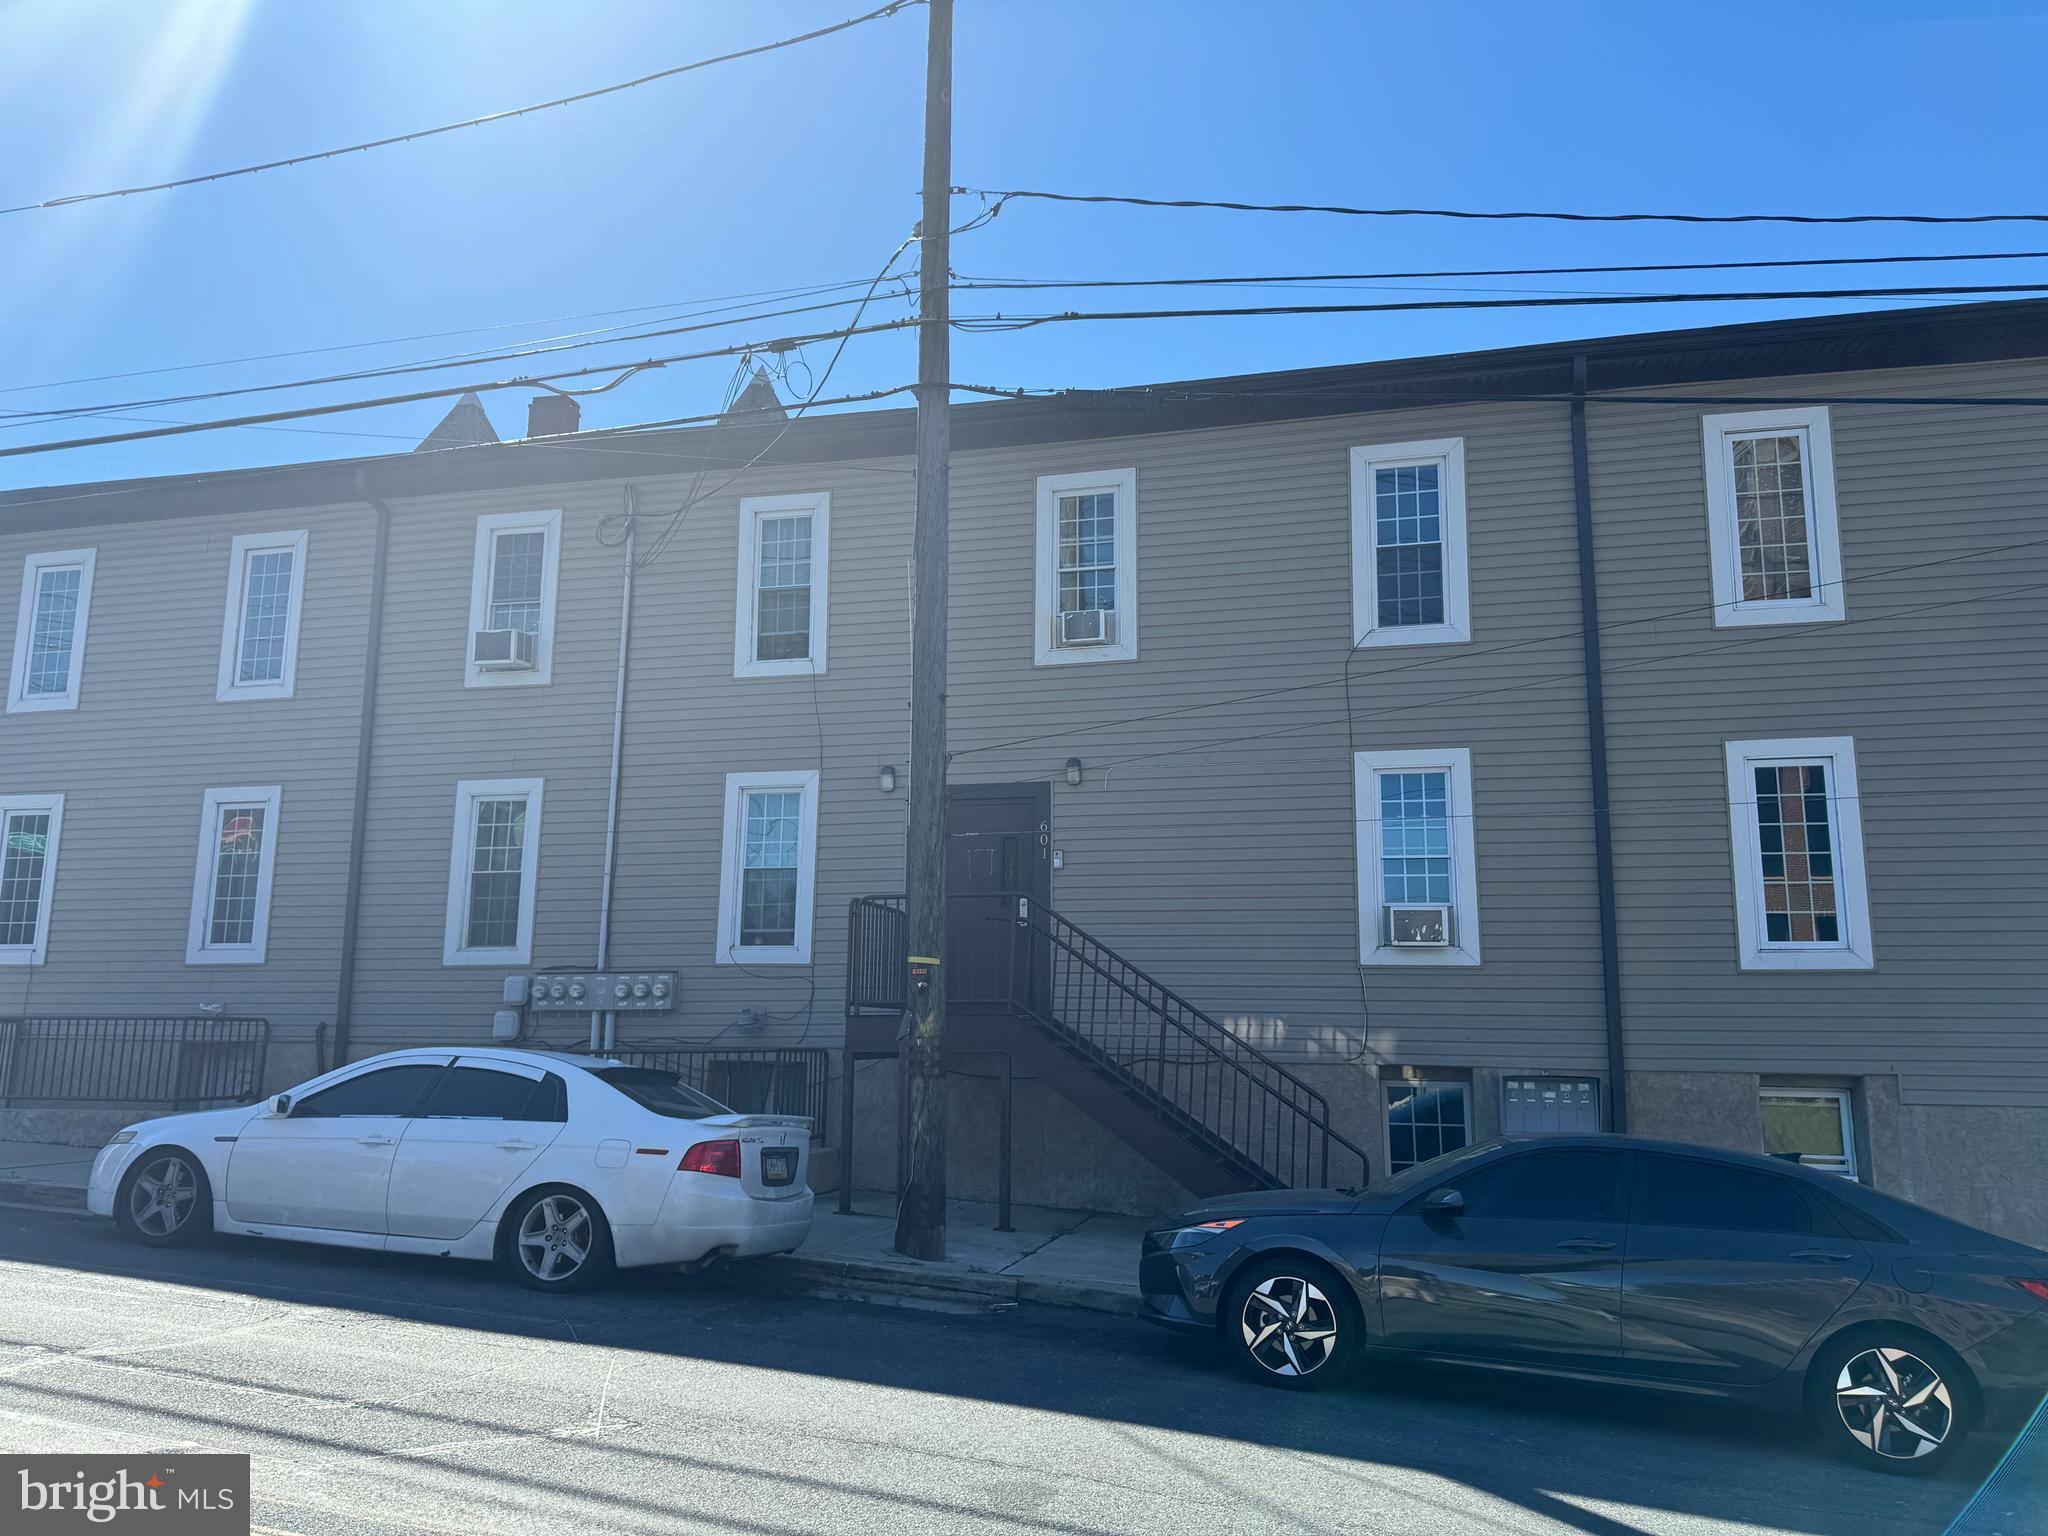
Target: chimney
[(552, 415)]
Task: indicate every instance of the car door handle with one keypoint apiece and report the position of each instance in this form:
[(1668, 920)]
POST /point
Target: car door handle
[(1585, 1245), (1821, 1256), (515, 1146), (374, 1141)]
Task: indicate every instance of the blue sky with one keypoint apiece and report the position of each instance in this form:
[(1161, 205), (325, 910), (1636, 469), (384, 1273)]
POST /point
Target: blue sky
[(802, 168)]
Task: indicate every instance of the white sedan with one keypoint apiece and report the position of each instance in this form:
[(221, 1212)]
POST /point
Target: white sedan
[(560, 1167)]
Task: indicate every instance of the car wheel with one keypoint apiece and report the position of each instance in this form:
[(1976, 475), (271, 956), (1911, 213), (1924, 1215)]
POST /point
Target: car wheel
[(1292, 1323), (165, 1200), (558, 1240), (1892, 1400)]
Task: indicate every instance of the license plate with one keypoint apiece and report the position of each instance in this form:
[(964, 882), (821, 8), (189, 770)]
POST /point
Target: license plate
[(778, 1165)]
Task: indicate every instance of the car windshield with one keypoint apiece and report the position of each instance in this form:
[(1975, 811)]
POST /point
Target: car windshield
[(1426, 1173), (662, 1092)]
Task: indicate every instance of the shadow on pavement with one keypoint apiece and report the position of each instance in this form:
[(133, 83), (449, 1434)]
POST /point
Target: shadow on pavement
[(1584, 1457)]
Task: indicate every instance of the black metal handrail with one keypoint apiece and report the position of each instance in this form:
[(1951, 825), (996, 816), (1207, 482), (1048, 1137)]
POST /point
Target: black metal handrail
[(1193, 1071), (765, 1080), (86, 1059)]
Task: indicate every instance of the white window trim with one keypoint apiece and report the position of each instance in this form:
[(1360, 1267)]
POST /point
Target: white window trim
[(746, 613), (490, 524), (1852, 901), (197, 950), (32, 953), (1366, 629), (246, 545), (1123, 484), (1843, 1102), (18, 701), (461, 855), (1829, 600), (805, 782), (1456, 764)]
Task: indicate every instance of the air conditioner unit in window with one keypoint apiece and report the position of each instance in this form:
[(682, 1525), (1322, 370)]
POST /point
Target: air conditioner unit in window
[(502, 650), (1419, 927), (1088, 626)]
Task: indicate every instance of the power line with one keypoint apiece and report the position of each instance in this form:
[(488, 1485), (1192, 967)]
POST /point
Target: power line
[(527, 382), (964, 283), (1014, 194), (472, 122), (806, 291), (991, 323)]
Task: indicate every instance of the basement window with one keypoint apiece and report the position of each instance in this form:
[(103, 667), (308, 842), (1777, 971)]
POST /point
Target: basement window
[(1426, 1117), (1812, 1127)]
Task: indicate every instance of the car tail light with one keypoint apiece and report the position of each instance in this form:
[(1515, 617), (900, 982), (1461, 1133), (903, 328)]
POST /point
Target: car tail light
[(719, 1157), (2038, 1289)]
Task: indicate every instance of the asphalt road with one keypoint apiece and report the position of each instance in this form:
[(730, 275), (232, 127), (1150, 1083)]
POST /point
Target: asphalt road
[(381, 1395)]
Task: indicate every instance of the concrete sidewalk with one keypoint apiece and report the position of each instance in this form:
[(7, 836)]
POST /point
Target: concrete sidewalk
[(45, 1173), (1053, 1257)]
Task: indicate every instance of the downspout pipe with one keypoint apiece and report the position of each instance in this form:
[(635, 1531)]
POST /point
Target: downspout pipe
[(611, 810), (352, 900), (1596, 757)]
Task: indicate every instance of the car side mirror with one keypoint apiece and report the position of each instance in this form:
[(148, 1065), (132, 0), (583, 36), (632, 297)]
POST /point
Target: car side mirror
[(280, 1106), (1444, 1202)]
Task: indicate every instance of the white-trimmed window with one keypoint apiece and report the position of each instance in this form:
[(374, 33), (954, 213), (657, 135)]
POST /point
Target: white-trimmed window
[(1087, 586), (1418, 880), (29, 825), (259, 636), (1426, 1117), (512, 593), (1777, 554), (1800, 902), (780, 613), (491, 872), (1408, 565), (49, 634), (769, 873), (1812, 1127), (231, 885)]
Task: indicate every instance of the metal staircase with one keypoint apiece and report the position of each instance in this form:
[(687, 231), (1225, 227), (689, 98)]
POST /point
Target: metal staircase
[(1211, 1110)]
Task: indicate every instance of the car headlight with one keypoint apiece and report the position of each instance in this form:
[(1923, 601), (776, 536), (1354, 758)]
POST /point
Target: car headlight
[(120, 1138), (1188, 1237)]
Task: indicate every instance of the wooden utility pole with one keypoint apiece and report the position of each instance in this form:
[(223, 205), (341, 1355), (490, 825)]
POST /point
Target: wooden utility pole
[(921, 1216)]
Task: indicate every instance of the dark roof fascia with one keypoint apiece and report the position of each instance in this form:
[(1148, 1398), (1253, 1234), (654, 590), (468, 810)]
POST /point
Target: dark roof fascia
[(1932, 336)]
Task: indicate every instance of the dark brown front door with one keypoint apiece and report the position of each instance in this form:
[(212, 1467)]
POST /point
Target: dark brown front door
[(998, 850)]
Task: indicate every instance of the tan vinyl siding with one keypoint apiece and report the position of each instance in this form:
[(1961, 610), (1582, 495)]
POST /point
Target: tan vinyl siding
[(1939, 673), (149, 738)]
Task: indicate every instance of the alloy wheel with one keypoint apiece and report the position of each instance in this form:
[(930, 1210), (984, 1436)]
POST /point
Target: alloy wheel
[(555, 1237), (161, 1199), (1289, 1326), (1894, 1404)]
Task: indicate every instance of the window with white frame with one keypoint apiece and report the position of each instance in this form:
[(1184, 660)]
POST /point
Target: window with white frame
[(769, 873), (1797, 830), (49, 632), (492, 867), (1812, 1127), (231, 886), (512, 594), (1777, 556), (1087, 585), (1426, 1117), (1408, 565), (1418, 884), (259, 638), (780, 612), (29, 825)]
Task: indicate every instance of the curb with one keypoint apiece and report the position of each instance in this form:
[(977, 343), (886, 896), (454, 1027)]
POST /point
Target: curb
[(44, 1196), (907, 1285)]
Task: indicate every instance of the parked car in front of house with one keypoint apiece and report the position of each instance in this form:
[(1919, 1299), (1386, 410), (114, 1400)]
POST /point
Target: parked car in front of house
[(559, 1167), (1637, 1262)]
